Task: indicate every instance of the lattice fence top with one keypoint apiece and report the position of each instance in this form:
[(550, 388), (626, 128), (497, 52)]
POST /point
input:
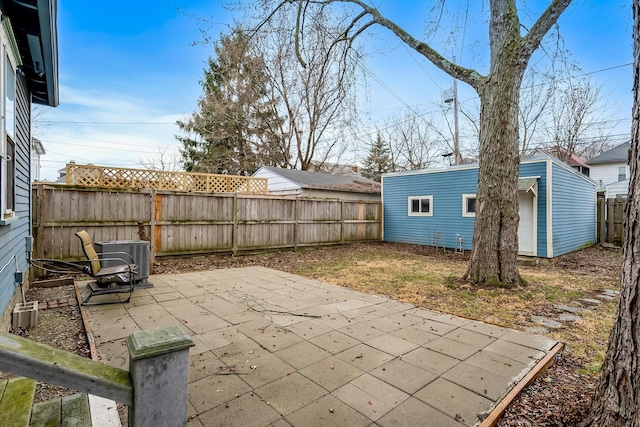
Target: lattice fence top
[(108, 177)]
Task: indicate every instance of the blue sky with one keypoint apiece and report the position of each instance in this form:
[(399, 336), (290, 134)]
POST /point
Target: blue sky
[(129, 70)]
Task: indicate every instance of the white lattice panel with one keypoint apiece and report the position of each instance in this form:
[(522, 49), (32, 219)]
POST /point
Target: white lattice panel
[(106, 177)]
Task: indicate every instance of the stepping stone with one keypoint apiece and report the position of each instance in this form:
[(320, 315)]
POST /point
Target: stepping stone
[(569, 317), (546, 322), (536, 330), (567, 308), (611, 292), (606, 297), (591, 301)]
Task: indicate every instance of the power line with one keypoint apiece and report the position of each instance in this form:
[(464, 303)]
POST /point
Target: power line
[(102, 123), (99, 147)]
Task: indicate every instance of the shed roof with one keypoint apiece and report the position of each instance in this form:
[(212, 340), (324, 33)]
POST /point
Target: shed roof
[(325, 181), (615, 155), (526, 184)]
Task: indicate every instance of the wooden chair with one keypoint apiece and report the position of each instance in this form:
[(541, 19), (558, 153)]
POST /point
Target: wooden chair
[(117, 278)]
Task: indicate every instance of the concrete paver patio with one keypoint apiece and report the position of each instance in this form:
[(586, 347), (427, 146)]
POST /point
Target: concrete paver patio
[(273, 348)]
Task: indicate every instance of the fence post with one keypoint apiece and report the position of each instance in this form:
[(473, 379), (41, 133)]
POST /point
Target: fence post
[(341, 221), (159, 370), (295, 224), (152, 229), (610, 221), (234, 235), (602, 225)]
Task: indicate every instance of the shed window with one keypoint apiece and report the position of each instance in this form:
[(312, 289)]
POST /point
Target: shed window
[(421, 206), (469, 205)]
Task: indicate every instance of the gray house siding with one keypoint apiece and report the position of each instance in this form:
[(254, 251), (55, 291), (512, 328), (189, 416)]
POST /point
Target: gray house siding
[(12, 236), (574, 211)]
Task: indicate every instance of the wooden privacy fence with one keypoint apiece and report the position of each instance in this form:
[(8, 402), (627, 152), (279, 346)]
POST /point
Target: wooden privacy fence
[(192, 223), (108, 177), (610, 216)]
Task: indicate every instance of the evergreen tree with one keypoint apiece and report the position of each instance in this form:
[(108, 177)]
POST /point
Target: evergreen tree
[(378, 161), (232, 133)]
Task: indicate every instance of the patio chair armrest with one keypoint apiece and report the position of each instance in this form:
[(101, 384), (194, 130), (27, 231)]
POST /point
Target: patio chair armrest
[(131, 268), (58, 266)]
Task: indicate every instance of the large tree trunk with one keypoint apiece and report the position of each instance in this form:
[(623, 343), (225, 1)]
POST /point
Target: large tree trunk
[(494, 250), (617, 398), (495, 237)]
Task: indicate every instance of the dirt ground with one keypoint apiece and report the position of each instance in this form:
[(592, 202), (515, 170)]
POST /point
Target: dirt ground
[(58, 327), (560, 397)]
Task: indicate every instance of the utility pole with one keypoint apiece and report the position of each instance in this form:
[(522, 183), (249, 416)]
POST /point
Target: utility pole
[(456, 131), (457, 157)]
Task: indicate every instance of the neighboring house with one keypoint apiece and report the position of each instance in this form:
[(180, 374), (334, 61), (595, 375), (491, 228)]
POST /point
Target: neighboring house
[(575, 161), (436, 207), (334, 168), (29, 74), (318, 185), (37, 151), (62, 174), (610, 170)]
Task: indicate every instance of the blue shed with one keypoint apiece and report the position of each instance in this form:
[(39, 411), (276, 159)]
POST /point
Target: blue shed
[(436, 207)]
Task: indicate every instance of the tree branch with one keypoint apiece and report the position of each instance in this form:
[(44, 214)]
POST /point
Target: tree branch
[(466, 75), (532, 40)]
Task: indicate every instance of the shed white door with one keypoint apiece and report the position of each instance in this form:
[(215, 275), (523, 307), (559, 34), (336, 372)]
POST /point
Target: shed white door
[(526, 230)]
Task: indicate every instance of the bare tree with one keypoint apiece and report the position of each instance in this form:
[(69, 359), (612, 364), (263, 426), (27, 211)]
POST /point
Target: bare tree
[(316, 96), (165, 159), (576, 113), (411, 144), (534, 99), (617, 398), (495, 240)]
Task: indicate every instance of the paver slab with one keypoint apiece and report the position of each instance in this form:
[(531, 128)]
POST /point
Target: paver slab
[(455, 401), (365, 357), (214, 390), (472, 338), (392, 345), (404, 376), (367, 401), (331, 373), (517, 352), (415, 335), (302, 354), (290, 393), (452, 348), (334, 342), (486, 329), (328, 411), (430, 360), (478, 380), (413, 412), (309, 329), (498, 364), (247, 410)]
